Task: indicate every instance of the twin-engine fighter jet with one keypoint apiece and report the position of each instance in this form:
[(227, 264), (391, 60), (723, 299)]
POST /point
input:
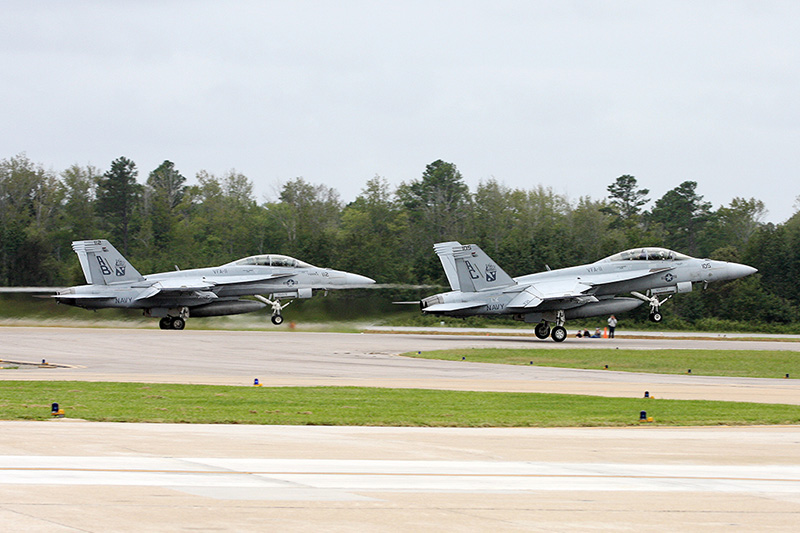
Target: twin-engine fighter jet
[(480, 287), (215, 291)]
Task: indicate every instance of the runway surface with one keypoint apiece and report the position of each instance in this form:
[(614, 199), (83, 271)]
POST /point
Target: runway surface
[(281, 358), (67, 475), (77, 476)]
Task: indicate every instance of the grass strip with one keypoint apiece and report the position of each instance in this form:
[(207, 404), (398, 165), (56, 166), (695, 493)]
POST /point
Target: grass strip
[(731, 363), (361, 406)]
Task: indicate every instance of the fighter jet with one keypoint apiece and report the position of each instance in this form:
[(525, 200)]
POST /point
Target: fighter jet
[(215, 291), (650, 275)]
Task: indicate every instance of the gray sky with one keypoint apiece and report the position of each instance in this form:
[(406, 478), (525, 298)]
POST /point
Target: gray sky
[(565, 94)]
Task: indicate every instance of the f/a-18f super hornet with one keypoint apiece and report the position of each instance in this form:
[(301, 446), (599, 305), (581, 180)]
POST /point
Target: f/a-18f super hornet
[(480, 287), (214, 291)]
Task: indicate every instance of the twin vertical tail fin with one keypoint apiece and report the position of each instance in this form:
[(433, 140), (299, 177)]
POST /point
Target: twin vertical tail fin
[(445, 252), (102, 264), (469, 269)]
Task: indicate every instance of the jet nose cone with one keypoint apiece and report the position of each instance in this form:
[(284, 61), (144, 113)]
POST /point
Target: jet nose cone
[(357, 279), (736, 271)]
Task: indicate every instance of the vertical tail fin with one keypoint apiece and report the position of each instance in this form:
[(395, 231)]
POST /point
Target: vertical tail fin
[(102, 264), (477, 271), (445, 252)]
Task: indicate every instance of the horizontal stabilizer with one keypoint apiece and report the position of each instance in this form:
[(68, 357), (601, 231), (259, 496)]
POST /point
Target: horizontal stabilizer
[(455, 306), (83, 296)]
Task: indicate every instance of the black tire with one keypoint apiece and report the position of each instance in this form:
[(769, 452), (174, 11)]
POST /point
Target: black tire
[(178, 323), (542, 330), (656, 317), (165, 323), (277, 320), (559, 333)]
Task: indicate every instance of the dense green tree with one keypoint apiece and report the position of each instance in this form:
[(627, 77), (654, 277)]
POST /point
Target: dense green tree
[(438, 202), (682, 214), (118, 196), (30, 200), (80, 186), (493, 218), (438, 206), (163, 193), (224, 214), (372, 231), (625, 201), (309, 215), (733, 225)]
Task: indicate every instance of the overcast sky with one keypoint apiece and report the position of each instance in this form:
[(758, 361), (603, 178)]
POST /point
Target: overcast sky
[(565, 94)]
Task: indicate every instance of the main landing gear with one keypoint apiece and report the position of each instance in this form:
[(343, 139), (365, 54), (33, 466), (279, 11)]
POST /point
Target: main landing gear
[(277, 318), (175, 322), (172, 322), (558, 333)]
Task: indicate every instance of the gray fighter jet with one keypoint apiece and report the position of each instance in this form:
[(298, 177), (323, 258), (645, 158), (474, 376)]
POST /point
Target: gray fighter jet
[(651, 275), (214, 291)]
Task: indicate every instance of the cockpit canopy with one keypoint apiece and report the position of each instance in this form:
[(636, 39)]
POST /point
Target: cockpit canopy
[(646, 254), (272, 260)]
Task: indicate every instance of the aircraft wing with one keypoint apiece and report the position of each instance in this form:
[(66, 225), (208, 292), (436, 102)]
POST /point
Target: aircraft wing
[(204, 284), (569, 290)]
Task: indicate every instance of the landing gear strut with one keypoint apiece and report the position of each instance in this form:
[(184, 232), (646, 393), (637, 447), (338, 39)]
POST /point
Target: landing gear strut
[(277, 307), (655, 305), (559, 332)]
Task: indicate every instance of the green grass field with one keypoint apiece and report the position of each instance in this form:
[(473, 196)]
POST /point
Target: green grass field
[(733, 363), (138, 402)]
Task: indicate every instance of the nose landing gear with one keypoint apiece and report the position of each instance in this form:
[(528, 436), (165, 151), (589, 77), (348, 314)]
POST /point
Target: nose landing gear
[(277, 307), (655, 305)]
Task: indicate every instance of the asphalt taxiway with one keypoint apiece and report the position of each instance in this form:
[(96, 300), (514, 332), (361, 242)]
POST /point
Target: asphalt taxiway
[(68, 475)]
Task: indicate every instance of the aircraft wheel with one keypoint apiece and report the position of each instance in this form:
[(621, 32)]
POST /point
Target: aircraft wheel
[(165, 323), (542, 330), (277, 320), (559, 333), (178, 323), (656, 317)]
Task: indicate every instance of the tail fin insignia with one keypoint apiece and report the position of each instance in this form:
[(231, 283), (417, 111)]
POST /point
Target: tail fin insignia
[(469, 269), (102, 264)]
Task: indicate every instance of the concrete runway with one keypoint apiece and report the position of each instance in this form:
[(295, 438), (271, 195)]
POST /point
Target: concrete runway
[(282, 358), (67, 475)]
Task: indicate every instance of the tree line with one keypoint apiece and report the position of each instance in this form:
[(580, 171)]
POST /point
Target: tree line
[(387, 232)]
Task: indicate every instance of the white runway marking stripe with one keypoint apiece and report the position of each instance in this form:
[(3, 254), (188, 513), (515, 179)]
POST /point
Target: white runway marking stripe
[(388, 476)]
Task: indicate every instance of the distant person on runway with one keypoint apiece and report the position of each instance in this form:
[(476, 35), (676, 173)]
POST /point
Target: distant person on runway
[(612, 325)]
